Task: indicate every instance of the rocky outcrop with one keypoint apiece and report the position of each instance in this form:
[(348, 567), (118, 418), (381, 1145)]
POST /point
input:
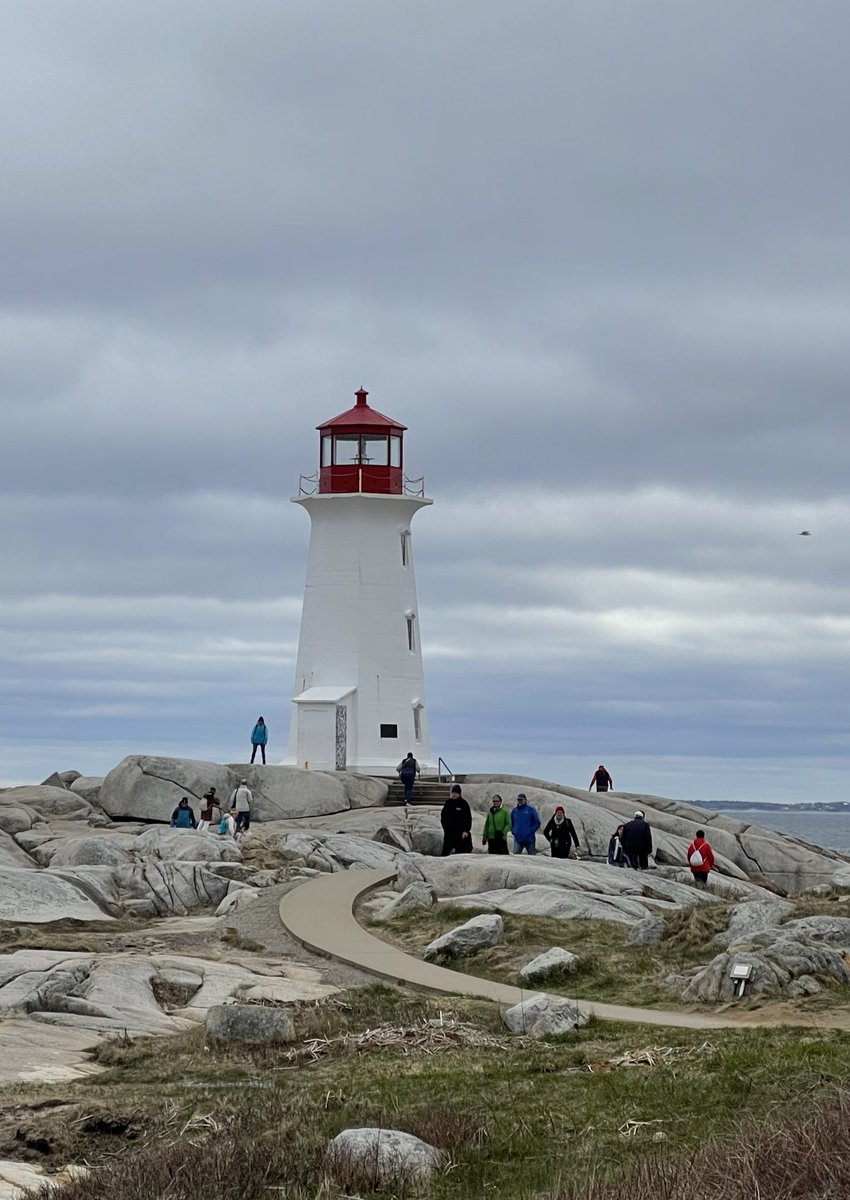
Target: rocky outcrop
[(149, 789), (647, 932), (415, 896), (777, 969), (50, 802), (478, 934), (544, 1016), (743, 851), (384, 1160), (37, 897)]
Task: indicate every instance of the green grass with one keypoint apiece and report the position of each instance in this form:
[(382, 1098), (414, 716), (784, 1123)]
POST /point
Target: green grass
[(608, 969), (518, 1120)]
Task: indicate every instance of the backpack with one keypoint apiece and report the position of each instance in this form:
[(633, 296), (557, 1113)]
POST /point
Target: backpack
[(696, 859)]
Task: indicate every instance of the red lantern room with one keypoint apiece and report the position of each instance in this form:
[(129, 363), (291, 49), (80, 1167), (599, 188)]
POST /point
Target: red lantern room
[(361, 450)]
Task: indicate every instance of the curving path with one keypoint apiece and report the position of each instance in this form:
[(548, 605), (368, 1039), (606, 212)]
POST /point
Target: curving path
[(319, 914)]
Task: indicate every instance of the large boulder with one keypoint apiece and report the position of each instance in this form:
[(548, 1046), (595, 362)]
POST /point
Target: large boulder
[(251, 1023), (544, 1016), (752, 916), (549, 964), (776, 968), (185, 845), (86, 852), (384, 1160), (38, 897), (149, 788), (417, 896), (87, 786), (478, 934), (50, 802), (647, 932)]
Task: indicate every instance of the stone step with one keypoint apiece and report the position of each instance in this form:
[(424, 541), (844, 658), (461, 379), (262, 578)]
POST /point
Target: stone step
[(427, 791)]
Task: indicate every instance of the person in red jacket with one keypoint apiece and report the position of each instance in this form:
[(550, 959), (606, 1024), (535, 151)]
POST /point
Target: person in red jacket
[(700, 858)]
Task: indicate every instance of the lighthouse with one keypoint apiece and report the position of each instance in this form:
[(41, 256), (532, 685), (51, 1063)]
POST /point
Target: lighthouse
[(359, 698)]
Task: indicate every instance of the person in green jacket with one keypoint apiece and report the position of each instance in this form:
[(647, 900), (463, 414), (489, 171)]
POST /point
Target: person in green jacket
[(496, 826)]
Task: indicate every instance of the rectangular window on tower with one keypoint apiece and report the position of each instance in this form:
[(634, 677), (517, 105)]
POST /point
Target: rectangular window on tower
[(395, 451), (417, 722), (411, 632), (346, 449), (327, 447), (389, 731), (405, 549)]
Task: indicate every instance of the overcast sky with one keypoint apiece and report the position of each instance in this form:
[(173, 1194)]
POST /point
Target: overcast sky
[(595, 255)]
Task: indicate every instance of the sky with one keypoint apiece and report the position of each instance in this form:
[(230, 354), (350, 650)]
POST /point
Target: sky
[(595, 254)]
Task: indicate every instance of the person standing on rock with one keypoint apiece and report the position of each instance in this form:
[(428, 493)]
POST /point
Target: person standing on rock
[(602, 779), (227, 824), (561, 834), (636, 840), (407, 770), (259, 739), (700, 858), (456, 820), (183, 817), (497, 823), (525, 821), (242, 800), (208, 810)]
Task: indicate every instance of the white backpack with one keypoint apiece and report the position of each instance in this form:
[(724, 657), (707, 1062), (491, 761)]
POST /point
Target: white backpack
[(696, 859)]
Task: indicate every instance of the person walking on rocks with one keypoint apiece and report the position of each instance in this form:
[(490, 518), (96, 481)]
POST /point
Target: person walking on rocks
[(496, 826), (700, 858), (259, 739), (636, 840), (208, 810), (561, 834), (227, 824), (615, 848), (407, 770), (183, 816), (456, 820), (602, 780), (242, 800), (525, 822)]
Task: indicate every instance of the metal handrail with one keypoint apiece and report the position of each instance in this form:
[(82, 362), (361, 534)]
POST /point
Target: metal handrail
[(442, 762), (305, 479), (414, 487)]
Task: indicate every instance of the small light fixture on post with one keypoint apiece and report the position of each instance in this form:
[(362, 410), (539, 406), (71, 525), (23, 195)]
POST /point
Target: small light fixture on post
[(740, 973)]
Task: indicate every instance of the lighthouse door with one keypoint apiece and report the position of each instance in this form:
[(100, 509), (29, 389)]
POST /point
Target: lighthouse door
[(316, 738)]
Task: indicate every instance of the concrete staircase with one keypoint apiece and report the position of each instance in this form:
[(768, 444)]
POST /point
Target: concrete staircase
[(425, 791)]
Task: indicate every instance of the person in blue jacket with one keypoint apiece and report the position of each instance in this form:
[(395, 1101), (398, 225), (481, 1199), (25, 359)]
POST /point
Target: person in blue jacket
[(259, 738), (183, 817), (525, 822)]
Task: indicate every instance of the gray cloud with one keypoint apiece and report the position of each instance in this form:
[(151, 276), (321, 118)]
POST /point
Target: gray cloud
[(595, 256)]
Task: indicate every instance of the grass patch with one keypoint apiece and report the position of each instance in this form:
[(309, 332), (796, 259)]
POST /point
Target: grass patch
[(517, 1124), (608, 969)]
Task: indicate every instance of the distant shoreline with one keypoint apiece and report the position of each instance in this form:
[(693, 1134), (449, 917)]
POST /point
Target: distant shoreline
[(826, 806)]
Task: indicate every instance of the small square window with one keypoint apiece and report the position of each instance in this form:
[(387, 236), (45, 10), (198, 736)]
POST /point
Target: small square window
[(389, 731)]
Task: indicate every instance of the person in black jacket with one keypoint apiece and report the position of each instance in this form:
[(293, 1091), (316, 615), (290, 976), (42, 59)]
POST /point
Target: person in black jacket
[(560, 833), (636, 840), (602, 779), (456, 820)]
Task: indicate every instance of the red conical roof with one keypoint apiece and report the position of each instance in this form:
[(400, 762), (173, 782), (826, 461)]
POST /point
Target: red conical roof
[(361, 415)]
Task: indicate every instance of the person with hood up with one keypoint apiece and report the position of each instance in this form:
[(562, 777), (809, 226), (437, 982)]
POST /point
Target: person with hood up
[(602, 779), (183, 817), (456, 820), (259, 739), (407, 770), (700, 858), (636, 840), (496, 826), (615, 848), (561, 834), (525, 822)]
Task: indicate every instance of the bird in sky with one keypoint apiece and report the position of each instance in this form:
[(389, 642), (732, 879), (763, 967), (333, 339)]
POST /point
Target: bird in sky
[(805, 533)]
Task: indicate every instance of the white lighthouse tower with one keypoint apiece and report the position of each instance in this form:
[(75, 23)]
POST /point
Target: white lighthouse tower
[(359, 699)]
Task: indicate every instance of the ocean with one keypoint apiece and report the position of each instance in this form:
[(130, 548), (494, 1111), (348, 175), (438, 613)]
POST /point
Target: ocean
[(828, 829)]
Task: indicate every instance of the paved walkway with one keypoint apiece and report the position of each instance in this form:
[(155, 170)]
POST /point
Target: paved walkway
[(319, 914)]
